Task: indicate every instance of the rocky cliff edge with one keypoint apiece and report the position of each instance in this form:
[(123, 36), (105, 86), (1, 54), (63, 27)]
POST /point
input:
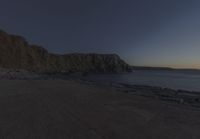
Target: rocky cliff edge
[(17, 53)]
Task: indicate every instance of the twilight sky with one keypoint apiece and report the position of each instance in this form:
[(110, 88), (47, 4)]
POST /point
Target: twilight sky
[(143, 32)]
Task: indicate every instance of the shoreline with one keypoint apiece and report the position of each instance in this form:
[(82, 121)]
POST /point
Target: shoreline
[(191, 98)]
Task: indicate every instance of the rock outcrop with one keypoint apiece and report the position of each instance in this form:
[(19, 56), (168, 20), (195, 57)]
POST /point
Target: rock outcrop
[(17, 53)]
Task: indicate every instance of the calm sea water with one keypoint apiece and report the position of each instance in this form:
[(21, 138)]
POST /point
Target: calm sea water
[(170, 79)]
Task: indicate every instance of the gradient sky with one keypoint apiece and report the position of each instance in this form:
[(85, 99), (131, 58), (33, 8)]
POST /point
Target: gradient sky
[(143, 32)]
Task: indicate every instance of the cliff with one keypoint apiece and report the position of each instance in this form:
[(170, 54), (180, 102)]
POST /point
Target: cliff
[(17, 53)]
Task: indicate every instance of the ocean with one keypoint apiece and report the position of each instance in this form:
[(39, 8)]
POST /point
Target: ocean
[(177, 80)]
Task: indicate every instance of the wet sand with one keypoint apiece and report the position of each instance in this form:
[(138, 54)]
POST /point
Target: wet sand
[(58, 109)]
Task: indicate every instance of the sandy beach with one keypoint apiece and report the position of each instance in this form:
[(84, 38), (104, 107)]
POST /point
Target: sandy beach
[(58, 109)]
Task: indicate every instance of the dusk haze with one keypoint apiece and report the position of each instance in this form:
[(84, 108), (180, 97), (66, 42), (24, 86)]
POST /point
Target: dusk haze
[(100, 69), (143, 32)]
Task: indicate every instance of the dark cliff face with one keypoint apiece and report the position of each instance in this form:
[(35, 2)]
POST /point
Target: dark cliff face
[(16, 53)]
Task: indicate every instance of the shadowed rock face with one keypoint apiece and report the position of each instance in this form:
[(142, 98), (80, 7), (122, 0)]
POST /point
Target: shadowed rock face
[(16, 53)]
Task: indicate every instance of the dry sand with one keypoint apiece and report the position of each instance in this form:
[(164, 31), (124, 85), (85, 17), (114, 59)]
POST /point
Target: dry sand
[(56, 109)]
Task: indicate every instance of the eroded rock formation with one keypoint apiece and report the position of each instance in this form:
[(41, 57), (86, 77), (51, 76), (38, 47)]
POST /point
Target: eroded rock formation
[(17, 53)]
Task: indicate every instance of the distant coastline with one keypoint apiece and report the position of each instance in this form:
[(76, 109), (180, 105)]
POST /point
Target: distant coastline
[(165, 69)]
